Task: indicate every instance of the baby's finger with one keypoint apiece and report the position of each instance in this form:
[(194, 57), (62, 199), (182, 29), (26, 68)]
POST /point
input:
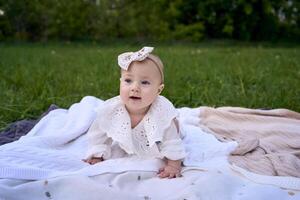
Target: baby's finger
[(95, 161), (92, 162), (160, 170), (163, 174), (171, 175)]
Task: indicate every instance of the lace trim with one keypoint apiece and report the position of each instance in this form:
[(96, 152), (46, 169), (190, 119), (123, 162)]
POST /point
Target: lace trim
[(115, 121)]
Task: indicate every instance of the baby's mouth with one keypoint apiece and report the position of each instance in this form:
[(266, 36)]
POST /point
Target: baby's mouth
[(135, 98)]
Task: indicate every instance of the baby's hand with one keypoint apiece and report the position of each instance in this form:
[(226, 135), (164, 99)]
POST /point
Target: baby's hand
[(93, 160), (169, 171)]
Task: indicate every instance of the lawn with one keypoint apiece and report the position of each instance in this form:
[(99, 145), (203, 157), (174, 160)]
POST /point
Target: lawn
[(34, 76)]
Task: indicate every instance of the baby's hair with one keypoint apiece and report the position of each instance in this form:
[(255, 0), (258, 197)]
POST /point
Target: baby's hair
[(157, 61)]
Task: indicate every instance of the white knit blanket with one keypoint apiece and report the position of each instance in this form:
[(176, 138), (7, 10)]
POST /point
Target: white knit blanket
[(47, 162)]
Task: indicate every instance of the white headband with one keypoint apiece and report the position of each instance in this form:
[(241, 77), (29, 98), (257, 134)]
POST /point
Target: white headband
[(125, 59)]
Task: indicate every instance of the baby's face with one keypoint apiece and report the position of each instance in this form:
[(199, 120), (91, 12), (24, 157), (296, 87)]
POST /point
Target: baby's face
[(140, 85)]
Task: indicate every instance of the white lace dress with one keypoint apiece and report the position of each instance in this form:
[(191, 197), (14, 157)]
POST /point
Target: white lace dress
[(156, 136)]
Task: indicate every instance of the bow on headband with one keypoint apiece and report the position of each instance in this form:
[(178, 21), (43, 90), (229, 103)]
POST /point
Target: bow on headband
[(125, 59)]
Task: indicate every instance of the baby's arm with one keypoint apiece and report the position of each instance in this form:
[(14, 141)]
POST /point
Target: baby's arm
[(98, 144), (172, 169), (173, 150)]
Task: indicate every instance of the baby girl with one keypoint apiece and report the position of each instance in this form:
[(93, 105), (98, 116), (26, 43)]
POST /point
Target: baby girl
[(139, 121)]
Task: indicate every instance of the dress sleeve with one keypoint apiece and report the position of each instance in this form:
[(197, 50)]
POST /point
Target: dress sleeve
[(99, 145), (172, 146)]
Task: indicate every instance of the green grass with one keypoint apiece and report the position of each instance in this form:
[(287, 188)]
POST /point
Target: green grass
[(33, 76)]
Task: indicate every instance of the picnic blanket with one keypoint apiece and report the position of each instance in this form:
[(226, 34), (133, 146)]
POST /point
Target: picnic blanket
[(269, 140), (46, 164)]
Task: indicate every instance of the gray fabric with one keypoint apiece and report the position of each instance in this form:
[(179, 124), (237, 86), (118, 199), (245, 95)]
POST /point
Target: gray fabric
[(17, 129)]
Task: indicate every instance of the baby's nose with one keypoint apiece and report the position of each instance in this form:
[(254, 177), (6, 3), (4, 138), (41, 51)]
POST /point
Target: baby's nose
[(135, 87)]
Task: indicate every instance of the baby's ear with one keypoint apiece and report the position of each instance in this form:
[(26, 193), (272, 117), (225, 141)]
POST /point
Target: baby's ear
[(160, 88)]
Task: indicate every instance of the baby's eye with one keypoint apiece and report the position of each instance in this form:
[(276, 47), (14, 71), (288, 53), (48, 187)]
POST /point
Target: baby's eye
[(127, 80), (145, 82)]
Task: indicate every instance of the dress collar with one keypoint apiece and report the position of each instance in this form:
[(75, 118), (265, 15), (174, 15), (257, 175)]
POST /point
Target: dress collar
[(115, 121)]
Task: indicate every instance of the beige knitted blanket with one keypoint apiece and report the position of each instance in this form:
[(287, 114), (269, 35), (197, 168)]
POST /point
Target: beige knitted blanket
[(269, 140)]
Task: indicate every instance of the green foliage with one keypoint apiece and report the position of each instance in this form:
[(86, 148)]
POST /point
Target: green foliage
[(69, 20), (190, 20), (192, 32)]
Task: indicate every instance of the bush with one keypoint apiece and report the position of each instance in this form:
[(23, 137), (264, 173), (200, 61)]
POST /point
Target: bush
[(192, 32), (190, 20)]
